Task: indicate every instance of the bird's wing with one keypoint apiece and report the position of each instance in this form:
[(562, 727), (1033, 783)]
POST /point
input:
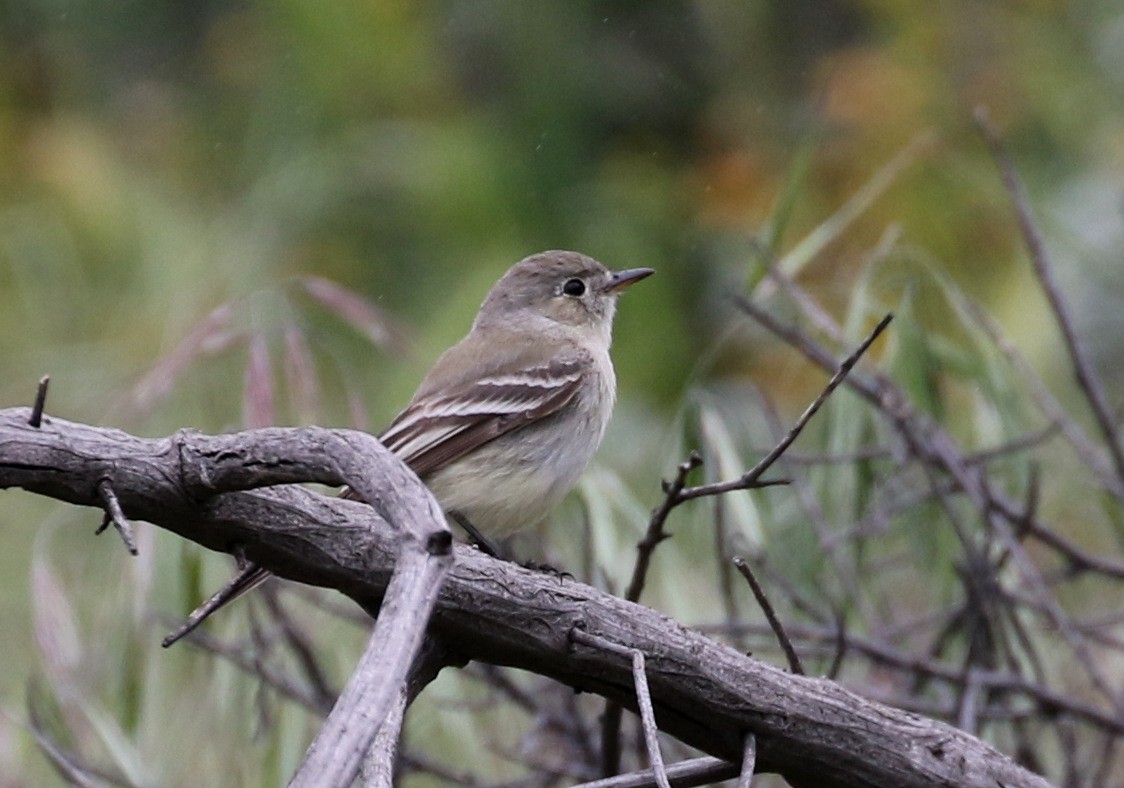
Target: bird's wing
[(443, 426)]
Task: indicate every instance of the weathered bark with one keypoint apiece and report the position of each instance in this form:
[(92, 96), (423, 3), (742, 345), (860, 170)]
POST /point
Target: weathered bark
[(811, 730)]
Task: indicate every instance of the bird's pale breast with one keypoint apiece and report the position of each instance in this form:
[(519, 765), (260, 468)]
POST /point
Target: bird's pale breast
[(530, 470)]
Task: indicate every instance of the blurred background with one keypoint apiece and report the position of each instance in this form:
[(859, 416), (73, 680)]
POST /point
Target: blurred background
[(226, 214)]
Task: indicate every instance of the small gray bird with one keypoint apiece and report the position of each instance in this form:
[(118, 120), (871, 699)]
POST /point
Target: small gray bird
[(506, 421)]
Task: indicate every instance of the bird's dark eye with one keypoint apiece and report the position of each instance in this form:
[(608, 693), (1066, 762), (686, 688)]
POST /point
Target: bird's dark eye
[(574, 287)]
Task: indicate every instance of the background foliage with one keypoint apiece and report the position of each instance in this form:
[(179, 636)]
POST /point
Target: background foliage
[(160, 160)]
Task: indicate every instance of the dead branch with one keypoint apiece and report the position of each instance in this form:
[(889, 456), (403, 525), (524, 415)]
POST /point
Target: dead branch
[(1083, 372), (114, 515), (180, 477), (706, 694)]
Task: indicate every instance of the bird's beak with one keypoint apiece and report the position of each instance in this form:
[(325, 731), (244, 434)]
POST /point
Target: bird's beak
[(620, 280)]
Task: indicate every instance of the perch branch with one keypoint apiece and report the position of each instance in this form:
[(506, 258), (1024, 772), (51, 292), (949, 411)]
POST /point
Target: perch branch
[(704, 693)]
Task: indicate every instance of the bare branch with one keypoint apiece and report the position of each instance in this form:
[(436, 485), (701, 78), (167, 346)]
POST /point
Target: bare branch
[(194, 468), (1087, 379), (703, 693), (794, 663), (685, 774), (1087, 451), (247, 577), (378, 768), (335, 756), (931, 445), (655, 533), (113, 514), (750, 478), (1048, 702), (643, 698), (749, 761), (36, 417)]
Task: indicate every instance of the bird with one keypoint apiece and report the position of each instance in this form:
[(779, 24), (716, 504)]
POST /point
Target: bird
[(505, 422)]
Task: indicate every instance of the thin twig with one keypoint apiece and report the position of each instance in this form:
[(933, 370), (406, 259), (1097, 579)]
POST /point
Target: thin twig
[(1083, 446), (113, 514), (249, 576), (648, 718), (967, 714), (676, 491), (643, 697), (1048, 702), (753, 474), (655, 533), (800, 601), (749, 761), (933, 445), (36, 418), (937, 449), (611, 720), (1083, 370), (794, 663), (685, 774)]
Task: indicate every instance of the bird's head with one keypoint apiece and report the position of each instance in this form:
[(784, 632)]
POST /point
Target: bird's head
[(568, 288)]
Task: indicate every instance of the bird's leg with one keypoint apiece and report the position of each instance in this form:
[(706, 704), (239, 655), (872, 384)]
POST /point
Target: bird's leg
[(547, 569), (484, 544)]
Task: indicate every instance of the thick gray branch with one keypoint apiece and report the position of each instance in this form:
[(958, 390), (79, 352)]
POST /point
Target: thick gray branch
[(186, 472), (810, 730)]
